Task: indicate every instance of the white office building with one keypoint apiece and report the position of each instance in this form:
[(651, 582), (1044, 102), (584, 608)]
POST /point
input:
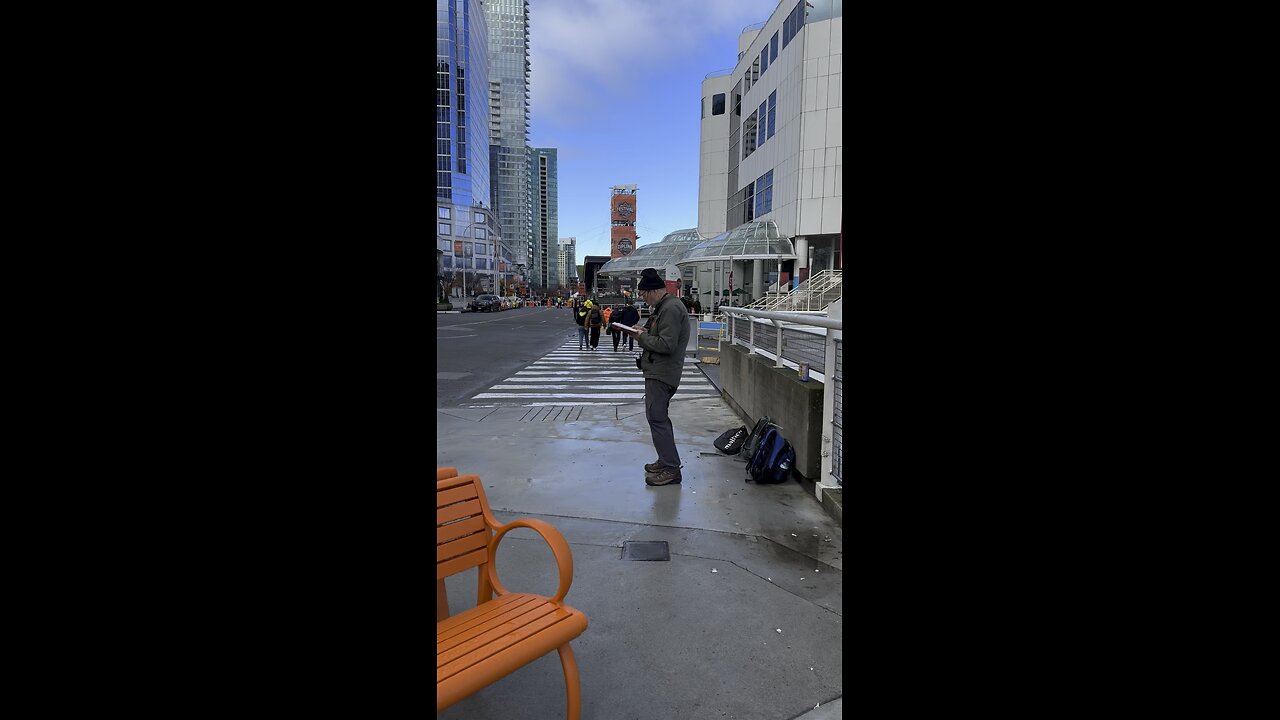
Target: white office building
[(771, 143)]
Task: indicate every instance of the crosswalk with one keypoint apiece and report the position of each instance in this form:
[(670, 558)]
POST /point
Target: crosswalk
[(569, 376)]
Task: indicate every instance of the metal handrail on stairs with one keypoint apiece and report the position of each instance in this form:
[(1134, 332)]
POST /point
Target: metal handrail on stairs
[(815, 293)]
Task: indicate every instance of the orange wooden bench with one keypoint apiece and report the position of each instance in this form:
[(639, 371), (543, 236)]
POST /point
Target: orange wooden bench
[(500, 634)]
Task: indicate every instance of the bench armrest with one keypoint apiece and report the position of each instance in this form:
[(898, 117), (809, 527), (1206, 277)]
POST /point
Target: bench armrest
[(553, 538)]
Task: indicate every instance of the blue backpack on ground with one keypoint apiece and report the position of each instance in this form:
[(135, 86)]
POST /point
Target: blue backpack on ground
[(748, 449), (773, 459)]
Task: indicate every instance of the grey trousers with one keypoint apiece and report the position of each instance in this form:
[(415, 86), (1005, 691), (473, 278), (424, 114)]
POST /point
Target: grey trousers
[(657, 398)]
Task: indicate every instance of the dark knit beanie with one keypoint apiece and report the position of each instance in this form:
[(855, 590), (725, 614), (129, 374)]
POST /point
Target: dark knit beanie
[(649, 280)]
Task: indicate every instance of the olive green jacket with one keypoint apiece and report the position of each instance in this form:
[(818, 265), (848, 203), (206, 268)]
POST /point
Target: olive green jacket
[(665, 342)]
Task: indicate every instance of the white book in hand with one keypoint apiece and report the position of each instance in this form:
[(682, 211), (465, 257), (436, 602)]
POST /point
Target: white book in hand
[(628, 328)]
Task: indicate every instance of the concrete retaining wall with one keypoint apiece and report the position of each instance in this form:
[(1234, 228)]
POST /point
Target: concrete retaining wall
[(753, 387)]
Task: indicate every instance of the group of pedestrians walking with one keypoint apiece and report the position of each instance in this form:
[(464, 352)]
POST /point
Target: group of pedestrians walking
[(592, 319)]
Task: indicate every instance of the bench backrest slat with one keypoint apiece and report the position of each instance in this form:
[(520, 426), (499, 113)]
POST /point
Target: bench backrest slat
[(455, 495), (460, 546), (458, 564), (460, 528), (466, 509), (462, 531)]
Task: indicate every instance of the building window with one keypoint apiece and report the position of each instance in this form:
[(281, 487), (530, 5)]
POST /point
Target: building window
[(773, 47), (447, 260), (755, 70), (480, 233), (462, 121), (717, 104), (444, 228), (791, 26), (446, 246), (760, 132), (764, 194), (773, 110), (737, 105), (746, 82), (445, 212), (479, 217), (750, 202), (764, 61), (749, 136)]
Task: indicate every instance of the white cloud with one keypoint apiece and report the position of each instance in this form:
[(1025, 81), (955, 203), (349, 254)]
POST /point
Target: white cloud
[(584, 52)]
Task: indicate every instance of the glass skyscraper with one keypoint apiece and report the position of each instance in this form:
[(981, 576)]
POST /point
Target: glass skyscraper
[(567, 264), (509, 157), (475, 255), (543, 173), (462, 103)]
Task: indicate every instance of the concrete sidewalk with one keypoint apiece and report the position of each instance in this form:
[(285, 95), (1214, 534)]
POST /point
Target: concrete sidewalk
[(695, 637)]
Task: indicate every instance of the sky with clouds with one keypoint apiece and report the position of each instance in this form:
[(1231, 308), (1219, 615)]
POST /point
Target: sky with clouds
[(615, 86)]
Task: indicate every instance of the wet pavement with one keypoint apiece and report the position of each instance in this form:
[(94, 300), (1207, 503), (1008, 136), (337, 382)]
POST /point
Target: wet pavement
[(752, 590)]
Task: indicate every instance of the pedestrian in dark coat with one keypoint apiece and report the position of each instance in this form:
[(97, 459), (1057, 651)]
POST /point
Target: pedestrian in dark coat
[(594, 321), (626, 315)]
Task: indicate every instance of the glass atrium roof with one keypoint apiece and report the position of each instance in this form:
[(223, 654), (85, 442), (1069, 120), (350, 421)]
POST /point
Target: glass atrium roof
[(666, 251), (759, 240)]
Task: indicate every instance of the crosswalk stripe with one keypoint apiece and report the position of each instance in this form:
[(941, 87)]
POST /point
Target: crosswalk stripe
[(632, 396), (627, 361), (579, 378), (578, 373), (570, 402), (557, 386), (569, 376)]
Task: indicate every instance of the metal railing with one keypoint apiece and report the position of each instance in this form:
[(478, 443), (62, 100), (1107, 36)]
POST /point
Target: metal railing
[(837, 415), (815, 293), (791, 338)]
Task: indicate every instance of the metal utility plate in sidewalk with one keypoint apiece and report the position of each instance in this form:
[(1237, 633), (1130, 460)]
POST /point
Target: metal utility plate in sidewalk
[(645, 550)]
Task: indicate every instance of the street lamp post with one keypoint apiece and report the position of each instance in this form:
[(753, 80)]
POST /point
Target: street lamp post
[(439, 285), (466, 233)]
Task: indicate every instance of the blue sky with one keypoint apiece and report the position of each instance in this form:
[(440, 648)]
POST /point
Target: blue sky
[(615, 86)]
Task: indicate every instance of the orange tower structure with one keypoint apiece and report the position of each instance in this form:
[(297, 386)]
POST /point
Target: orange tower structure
[(622, 217)]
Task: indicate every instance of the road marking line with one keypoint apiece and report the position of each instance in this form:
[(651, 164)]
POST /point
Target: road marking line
[(634, 396), (554, 386)]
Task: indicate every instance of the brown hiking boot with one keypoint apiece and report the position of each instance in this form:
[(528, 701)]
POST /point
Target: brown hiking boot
[(668, 476), (653, 467)]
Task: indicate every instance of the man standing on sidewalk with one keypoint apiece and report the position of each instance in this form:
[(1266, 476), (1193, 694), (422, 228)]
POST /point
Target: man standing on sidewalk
[(661, 360)]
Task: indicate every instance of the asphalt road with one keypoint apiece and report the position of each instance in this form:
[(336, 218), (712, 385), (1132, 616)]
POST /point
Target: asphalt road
[(476, 350)]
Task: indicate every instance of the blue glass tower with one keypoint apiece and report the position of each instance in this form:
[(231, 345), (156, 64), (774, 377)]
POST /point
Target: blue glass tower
[(462, 102)]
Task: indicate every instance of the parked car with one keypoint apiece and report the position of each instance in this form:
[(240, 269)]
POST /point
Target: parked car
[(485, 303)]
